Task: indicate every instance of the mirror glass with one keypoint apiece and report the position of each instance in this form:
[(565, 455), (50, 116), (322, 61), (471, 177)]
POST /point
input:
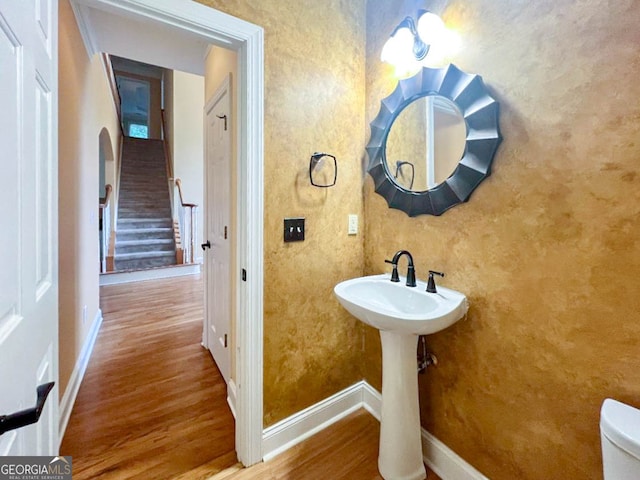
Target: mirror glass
[(425, 143)]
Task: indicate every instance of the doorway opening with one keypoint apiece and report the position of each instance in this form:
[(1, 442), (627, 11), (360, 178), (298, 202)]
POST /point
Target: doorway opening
[(109, 26)]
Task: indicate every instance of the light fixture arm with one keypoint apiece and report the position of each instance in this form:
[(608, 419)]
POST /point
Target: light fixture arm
[(420, 49)]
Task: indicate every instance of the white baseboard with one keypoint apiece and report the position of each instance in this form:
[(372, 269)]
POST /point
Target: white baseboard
[(445, 462), (371, 400), (300, 426), (71, 392), (231, 396), (115, 278)]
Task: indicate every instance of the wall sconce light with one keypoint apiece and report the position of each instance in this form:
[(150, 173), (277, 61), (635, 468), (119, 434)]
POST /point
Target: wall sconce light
[(409, 44)]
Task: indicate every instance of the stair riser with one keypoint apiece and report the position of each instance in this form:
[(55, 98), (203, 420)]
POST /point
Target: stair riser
[(139, 162), (145, 255), (145, 172), (126, 224), (153, 184), (143, 204), (143, 191), (144, 195), (144, 248), (143, 264), (144, 213), (135, 161), (141, 237)]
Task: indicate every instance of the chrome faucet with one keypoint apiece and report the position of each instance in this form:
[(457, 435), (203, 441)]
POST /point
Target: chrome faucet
[(411, 271)]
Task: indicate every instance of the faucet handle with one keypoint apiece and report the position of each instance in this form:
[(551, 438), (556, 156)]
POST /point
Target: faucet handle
[(431, 283), (394, 272)]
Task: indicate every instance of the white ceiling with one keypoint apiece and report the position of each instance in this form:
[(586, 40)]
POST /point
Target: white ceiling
[(141, 40)]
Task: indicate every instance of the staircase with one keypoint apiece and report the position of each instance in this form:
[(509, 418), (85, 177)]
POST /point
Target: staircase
[(144, 235)]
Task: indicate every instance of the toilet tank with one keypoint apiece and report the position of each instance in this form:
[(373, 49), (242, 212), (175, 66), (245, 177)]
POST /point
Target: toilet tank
[(620, 438)]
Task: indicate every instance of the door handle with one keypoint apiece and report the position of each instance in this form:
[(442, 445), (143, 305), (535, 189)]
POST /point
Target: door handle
[(26, 417), (206, 245)]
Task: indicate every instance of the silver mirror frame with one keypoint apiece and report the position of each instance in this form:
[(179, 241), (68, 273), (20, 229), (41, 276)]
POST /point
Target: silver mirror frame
[(480, 112)]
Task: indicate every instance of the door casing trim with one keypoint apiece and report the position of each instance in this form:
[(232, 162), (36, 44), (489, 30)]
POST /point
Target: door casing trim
[(247, 40)]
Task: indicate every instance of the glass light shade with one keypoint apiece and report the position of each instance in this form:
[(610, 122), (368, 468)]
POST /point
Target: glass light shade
[(398, 51), (398, 45), (407, 68), (388, 50), (430, 28), (443, 51)]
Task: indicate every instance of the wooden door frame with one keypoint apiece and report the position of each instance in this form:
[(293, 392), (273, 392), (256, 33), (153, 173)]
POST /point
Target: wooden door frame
[(247, 40)]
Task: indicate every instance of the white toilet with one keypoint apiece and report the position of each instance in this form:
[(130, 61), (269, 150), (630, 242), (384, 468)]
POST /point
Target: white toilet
[(620, 436)]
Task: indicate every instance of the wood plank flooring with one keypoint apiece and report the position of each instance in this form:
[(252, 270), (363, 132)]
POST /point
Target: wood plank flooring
[(347, 450), (152, 404)]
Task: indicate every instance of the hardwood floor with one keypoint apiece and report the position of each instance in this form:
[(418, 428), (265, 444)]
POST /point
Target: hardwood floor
[(152, 404), (347, 450)]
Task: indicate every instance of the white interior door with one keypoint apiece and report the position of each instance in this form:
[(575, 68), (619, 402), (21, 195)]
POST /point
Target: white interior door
[(217, 216), (28, 220)]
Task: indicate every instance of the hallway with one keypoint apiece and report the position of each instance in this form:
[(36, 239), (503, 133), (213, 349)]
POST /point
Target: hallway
[(152, 403)]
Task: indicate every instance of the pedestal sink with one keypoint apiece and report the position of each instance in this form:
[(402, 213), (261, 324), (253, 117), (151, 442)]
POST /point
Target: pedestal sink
[(401, 314)]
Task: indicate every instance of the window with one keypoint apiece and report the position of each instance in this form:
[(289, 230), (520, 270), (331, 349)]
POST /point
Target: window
[(138, 131)]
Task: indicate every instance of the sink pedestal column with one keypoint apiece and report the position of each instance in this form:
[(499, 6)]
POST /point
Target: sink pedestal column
[(400, 455)]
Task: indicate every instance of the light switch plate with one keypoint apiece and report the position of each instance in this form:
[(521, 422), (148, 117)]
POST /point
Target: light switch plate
[(353, 224), (294, 229)]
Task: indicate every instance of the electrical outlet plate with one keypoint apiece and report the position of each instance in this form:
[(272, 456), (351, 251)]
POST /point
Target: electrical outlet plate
[(294, 229)]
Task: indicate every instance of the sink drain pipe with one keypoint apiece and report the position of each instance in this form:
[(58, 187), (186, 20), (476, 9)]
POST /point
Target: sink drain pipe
[(425, 357)]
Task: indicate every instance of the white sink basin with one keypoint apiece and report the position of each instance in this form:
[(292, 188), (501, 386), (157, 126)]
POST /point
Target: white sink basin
[(401, 313), (389, 306)]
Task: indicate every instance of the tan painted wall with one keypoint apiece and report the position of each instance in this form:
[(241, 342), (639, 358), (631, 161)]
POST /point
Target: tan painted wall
[(219, 63), (407, 143), (547, 249), (85, 107), (183, 105), (314, 101), (187, 141)]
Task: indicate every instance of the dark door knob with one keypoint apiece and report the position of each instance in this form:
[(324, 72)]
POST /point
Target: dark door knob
[(206, 245), (29, 416)]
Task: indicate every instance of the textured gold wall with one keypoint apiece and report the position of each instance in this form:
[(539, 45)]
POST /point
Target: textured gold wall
[(548, 247), (407, 143), (314, 100)]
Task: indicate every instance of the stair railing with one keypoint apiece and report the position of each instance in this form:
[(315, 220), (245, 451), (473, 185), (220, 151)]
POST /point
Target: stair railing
[(113, 85), (105, 229), (112, 194), (187, 221), (168, 161), (167, 150)]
